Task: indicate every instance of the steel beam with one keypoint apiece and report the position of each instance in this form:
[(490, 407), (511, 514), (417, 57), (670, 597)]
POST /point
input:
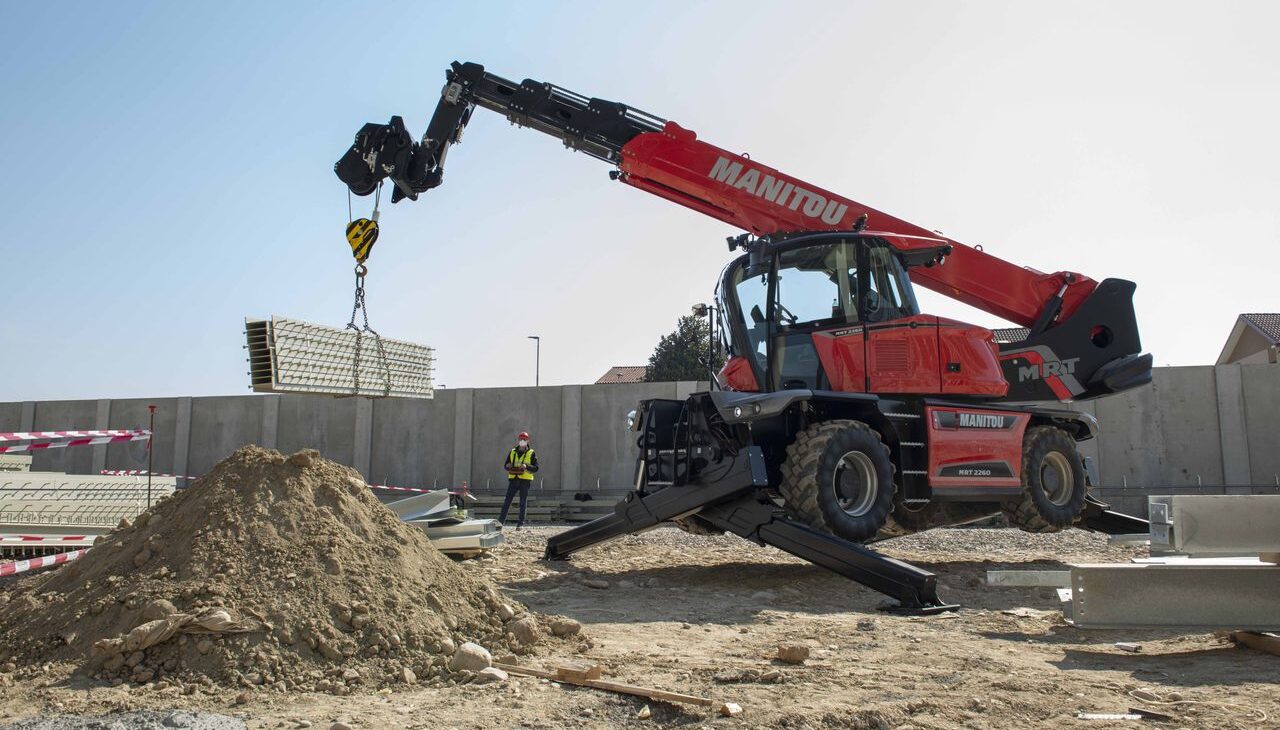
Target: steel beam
[(437, 529), (483, 541), (1200, 597), (1029, 578), (1204, 524), (421, 505)]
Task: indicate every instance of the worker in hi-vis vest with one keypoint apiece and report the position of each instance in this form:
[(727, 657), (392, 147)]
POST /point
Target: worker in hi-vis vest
[(521, 464)]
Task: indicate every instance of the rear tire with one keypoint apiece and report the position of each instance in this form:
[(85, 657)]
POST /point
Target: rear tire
[(1053, 482), (837, 478)]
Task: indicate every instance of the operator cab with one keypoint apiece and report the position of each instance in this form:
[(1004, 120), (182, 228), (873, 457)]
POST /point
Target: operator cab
[(837, 312)]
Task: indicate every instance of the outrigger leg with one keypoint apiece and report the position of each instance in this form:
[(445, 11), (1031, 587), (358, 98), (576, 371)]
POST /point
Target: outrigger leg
[(733, 504)]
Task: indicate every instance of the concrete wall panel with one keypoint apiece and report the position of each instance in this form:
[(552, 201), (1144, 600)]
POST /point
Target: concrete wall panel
[(608, 448), (10, 417), (1188, 410), (1233, 432), (1261, 385), (318, 422), (64, 415), (1162, 434), (220, 425), (413, 441), (132, 413), (500, 414)]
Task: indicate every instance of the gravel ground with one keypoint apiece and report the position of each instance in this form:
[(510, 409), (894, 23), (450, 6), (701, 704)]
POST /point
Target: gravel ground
[(707, 615), (132, 721)]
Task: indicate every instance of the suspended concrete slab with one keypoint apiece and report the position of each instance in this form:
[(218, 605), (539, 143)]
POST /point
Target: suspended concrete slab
[(292, 356)]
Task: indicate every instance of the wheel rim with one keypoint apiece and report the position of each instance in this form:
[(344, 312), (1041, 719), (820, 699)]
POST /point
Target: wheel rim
[(855, 484), (1056, 478)]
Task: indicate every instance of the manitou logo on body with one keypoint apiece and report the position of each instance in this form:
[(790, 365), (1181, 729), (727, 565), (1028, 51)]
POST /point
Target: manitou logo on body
[(780, 192), (980, 420), (1047, 369)]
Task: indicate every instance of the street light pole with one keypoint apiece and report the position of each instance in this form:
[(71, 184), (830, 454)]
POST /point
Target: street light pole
[(151, 452), (537, 359)]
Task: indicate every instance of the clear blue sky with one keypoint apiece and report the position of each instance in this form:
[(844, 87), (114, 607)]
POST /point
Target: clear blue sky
[(167, 169)]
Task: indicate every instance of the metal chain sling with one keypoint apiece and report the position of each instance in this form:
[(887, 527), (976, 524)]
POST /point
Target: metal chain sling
[(361, 234)]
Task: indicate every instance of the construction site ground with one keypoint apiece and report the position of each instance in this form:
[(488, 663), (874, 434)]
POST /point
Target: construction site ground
[(705, 615)]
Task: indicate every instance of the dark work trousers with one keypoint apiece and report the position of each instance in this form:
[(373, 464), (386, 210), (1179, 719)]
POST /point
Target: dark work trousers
[(513, 486)]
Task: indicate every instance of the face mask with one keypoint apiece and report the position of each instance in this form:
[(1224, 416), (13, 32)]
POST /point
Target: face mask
[(522, 443)]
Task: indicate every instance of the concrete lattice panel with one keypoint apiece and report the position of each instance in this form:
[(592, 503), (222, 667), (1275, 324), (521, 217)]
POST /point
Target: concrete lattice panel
[(35, 499), (291, 356)]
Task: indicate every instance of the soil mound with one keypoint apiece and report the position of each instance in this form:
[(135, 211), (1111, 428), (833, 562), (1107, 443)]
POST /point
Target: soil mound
[(273, 571)]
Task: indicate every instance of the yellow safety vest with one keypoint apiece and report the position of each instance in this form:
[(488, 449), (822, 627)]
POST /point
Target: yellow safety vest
[(517, 459)]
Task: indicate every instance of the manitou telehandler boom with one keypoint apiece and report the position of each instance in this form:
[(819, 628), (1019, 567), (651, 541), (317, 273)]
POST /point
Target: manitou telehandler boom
[(842, 413)]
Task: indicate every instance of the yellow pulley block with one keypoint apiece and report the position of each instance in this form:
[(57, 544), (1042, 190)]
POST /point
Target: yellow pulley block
[(362, 233)]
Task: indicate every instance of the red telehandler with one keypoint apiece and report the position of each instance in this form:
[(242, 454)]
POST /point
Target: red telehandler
[(843, 414)]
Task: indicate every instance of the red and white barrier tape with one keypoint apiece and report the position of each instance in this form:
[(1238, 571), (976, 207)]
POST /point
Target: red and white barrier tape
[(45, 435), (46, 538), (47, 561), (141, 473), (403, 489), (67, 438)]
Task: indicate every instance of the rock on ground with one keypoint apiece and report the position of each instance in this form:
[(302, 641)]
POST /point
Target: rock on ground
[(793, 653), (470, 657)]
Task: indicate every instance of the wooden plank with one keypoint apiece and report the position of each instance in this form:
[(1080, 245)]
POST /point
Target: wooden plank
[(629, 689), (574, 671), (1269, 643)]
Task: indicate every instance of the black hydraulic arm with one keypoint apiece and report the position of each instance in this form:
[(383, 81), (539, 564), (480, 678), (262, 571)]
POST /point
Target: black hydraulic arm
[(595, 126)]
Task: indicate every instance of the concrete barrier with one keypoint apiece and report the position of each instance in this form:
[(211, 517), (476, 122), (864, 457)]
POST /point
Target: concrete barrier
[(1208, 429)]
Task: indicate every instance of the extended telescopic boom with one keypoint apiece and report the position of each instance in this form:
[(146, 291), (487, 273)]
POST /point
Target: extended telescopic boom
[(665, 159)]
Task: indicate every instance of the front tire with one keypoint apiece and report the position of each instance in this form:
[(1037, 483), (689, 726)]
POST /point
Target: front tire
[(1053, 483), (837, 478)]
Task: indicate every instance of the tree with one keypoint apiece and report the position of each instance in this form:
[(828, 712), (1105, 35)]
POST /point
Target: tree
[(679, 355)]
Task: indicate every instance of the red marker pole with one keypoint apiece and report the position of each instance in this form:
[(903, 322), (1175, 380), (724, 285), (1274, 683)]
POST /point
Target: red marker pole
[(150, 452)]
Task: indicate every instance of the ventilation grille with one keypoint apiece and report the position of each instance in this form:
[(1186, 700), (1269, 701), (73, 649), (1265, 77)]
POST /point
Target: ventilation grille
[(291, 356), (891, 356)]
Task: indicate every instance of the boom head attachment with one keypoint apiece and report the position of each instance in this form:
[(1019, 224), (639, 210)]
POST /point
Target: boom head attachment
[(598, 127), (388, 151)]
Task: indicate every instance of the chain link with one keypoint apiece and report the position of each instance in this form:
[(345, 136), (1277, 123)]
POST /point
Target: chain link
[(360, 308)]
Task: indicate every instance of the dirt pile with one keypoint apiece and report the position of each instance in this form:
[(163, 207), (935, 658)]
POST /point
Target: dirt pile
[(271, 571)]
